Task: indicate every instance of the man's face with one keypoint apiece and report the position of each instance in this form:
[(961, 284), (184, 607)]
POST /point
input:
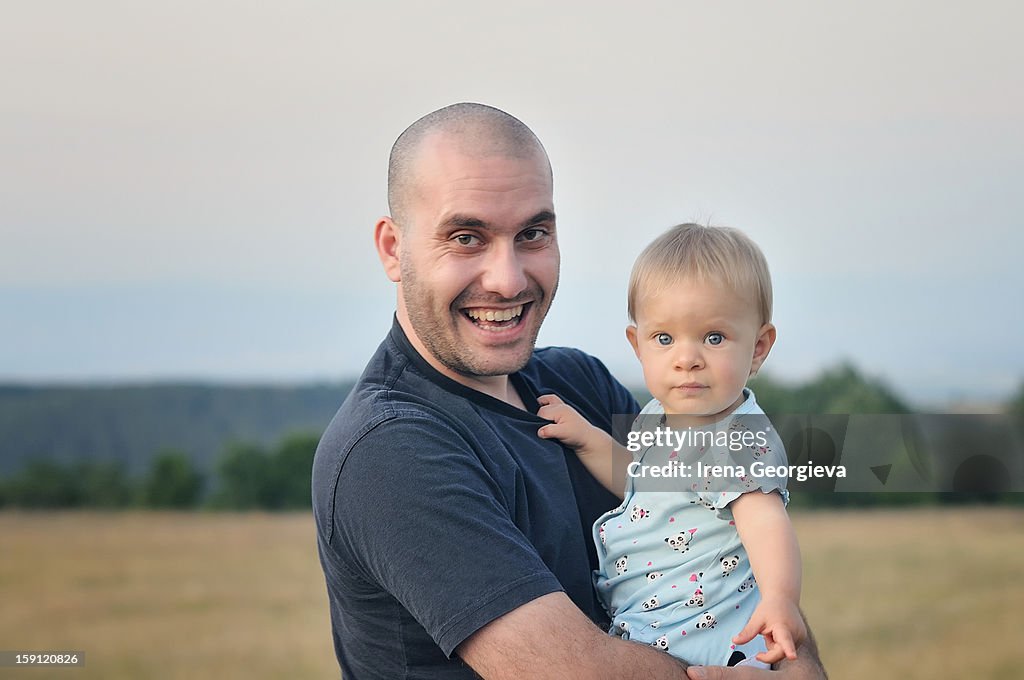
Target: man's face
[(479, 258)]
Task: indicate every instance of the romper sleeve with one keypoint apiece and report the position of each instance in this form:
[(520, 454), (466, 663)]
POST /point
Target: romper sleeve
[(747, 460)]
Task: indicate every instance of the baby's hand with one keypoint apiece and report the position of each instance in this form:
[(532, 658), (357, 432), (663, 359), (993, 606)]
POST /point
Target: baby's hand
[(782, 626), (569, 426)]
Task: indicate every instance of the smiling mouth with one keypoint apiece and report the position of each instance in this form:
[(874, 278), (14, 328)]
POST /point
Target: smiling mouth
[(496, 319)]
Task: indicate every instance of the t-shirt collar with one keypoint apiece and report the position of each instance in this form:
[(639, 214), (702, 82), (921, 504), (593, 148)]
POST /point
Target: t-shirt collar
[(526, 391)]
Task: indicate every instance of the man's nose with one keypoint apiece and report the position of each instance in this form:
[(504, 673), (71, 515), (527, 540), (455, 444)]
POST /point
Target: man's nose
[(503, 272)]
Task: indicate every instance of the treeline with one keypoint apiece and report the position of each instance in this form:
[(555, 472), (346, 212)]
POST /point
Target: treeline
[(130, 424), (242, 476), (844, 390), (246, 477)]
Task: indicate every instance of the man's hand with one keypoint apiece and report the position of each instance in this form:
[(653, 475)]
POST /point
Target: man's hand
[(733, 673)]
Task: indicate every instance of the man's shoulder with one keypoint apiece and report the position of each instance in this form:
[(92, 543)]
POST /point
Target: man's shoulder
[(398, 401), (383, 434), (556, 354), (567, 364), (390, 388)]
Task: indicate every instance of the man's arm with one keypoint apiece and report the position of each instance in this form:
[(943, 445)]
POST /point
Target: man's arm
[(549, 637)]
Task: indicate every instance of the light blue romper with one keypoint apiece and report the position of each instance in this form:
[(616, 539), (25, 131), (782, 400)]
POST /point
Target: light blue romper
[(673, 572)]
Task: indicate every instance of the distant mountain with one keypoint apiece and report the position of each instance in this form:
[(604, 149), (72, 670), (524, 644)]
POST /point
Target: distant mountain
[(130, 424)]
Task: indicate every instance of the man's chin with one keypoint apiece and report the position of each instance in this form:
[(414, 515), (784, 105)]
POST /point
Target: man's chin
[(482, 366), (492, 356)]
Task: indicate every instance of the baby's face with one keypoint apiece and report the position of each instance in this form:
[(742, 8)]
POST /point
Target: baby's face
[(698, 343)]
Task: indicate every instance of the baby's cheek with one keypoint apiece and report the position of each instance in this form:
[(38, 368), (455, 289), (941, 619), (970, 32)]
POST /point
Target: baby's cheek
[(653, 377)]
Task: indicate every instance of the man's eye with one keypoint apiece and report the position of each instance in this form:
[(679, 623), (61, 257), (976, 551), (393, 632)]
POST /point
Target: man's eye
[(467, 239), (715, 339), (533, 235), (663, 339)]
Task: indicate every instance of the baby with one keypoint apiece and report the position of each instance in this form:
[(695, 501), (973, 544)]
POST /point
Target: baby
[(700, 563)]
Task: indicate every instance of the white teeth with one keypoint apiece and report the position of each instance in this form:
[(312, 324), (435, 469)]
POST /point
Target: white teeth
[(495, 314)]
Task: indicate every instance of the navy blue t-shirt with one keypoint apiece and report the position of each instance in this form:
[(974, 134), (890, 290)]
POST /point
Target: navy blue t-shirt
[(439, 509)]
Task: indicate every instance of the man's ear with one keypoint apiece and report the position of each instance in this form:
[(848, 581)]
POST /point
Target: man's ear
[(388, 239), (631, 336), (763, 345)]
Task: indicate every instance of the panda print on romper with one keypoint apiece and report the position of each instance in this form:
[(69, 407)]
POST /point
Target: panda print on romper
[(729, 564)]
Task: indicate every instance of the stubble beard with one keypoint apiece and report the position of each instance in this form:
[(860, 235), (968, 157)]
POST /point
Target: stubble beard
[(435, 326)]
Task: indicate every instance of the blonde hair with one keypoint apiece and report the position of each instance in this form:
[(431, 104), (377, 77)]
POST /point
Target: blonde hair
[(722, 255)]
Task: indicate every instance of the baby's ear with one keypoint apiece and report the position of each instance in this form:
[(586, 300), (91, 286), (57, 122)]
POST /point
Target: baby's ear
[(631, 336), (762, 346)]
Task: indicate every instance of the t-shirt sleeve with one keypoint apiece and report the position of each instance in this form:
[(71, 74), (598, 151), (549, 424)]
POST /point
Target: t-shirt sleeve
[(417, 513)]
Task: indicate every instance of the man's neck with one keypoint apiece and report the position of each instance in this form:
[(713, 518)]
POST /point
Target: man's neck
[(496, 386)]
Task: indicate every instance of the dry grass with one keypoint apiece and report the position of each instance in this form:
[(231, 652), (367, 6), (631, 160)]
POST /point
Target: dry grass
[(890, 594), (916, 593), (153, 595)]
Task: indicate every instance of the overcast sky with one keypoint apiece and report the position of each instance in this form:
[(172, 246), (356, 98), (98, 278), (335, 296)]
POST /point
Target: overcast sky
[(188, 189)]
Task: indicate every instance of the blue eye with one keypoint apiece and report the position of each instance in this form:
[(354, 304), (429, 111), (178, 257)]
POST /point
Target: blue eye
[(714, 339), (663, 338)]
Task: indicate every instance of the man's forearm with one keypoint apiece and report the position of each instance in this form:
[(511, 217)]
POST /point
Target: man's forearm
[(641, 661), (550, 638)]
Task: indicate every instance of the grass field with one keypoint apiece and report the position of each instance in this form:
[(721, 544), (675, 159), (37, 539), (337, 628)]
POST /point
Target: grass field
[(890, 594)]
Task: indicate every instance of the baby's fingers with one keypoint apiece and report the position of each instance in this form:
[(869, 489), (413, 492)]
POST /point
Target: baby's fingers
[(784, 640), (773, 655), (553, 430), (752, 628), (551, 407)]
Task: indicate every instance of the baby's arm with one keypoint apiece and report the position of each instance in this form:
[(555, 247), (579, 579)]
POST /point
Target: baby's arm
[(605, 458), (768, 537)]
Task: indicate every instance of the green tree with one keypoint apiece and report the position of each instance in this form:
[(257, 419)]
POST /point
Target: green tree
[(172, 482), (844, 390), (775, 397), (292, 468), (45, 484), (245, 474), (841, 390), (1016, 406), (104, 484)]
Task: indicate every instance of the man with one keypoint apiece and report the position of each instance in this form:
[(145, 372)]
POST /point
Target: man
[(453, 539)]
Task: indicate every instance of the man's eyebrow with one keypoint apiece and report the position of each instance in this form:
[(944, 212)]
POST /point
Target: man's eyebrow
[(540, 218), (467, 222), (463, 222)]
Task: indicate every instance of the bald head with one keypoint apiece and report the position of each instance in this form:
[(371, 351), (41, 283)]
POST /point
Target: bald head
[(474, 130)]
